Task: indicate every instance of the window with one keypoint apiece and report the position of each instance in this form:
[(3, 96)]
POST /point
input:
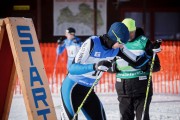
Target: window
[(138, 17), (167, 25)]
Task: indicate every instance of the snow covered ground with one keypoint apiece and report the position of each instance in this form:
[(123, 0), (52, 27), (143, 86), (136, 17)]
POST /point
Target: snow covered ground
[(163, 107)]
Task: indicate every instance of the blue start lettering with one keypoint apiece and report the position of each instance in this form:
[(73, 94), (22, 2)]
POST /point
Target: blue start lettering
[(29, 50), (43, 112), (39, 94), (34, 76), (23, 32)]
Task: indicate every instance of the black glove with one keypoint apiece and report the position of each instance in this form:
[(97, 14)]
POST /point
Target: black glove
[(103, 65), (60, 41), (157, 46), (115, 67)]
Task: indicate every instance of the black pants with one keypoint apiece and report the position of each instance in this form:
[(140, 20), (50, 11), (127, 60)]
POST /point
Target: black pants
[(131, 97), (133, 106), (72, 95)]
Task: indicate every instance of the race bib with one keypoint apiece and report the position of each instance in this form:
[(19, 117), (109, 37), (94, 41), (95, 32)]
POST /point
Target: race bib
[(72, 50), (142, 77)]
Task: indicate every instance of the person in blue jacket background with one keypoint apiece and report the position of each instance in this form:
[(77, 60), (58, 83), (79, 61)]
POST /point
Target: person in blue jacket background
[(94, 56), (71, 43)]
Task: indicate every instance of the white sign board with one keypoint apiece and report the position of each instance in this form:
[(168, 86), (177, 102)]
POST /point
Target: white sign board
[(79, 14)]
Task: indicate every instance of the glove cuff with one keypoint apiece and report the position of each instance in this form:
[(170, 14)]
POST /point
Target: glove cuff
[(157, 50), (94, 66)]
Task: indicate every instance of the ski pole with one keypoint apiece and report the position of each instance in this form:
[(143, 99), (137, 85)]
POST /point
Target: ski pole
[(148, 85), (149, 80), (55, 65), (59, 41), (85, 98)]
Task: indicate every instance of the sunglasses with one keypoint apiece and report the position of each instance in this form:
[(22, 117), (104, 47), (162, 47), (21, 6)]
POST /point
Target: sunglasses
[(118, 39)]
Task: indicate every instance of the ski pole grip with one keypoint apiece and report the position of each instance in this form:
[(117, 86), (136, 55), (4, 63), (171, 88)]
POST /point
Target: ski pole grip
[(157, 43), (60, 41)]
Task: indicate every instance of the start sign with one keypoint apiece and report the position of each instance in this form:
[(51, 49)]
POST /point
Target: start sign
[(30, 69), (26, 42)]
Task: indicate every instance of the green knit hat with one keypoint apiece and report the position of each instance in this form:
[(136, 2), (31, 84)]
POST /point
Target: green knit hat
[(130, 24)]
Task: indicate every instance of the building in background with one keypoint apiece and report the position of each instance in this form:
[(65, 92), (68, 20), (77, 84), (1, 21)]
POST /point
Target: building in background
[(160, 19)]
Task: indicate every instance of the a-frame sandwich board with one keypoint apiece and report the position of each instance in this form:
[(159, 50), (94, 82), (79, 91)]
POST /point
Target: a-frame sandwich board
[(20, 52)]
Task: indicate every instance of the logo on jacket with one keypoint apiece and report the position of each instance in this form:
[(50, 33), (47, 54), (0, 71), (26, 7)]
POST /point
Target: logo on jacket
[(97, 54)]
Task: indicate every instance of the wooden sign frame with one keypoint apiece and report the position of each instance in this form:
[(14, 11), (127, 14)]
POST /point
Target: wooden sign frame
[(20, 52)]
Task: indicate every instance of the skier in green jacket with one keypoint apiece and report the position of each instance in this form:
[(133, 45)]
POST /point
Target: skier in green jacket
[(131, 83)]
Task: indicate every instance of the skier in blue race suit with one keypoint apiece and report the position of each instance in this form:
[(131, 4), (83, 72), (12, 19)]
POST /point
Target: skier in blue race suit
[(72, 45), (94, 56)]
